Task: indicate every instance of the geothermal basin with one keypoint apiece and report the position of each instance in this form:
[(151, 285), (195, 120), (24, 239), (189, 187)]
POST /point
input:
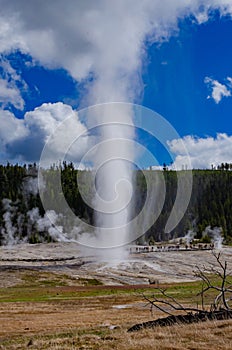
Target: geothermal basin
[(137, 269)]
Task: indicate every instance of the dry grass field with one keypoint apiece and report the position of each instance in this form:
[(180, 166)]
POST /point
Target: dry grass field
[(45, 310), (81, 303)]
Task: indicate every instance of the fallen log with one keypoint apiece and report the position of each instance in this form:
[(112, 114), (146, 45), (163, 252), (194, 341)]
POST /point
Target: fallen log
[(183, 319)]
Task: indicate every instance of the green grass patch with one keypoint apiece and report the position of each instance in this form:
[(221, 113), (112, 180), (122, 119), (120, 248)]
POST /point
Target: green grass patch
[(39, 278), (47, 293), (90, 282), (39, 286), (37, 294), (188, 293)]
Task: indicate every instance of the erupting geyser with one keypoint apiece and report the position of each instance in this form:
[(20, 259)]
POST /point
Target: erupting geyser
[(113, 162)]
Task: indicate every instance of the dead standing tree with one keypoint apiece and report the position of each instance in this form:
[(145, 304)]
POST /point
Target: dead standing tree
[(218, 309), (223, 290)]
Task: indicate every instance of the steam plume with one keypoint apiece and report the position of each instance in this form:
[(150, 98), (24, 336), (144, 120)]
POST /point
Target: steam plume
[(216, 236)]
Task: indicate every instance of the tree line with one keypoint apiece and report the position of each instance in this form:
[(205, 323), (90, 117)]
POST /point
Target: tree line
[(210, 203)]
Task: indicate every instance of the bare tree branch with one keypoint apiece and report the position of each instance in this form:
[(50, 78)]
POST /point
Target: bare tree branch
[(220, 301)]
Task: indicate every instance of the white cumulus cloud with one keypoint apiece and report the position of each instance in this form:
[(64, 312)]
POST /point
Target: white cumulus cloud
[(25, 138), (81, 36), (102, 39), (10, 94), (203, 152), (11, 86), (218, 90)]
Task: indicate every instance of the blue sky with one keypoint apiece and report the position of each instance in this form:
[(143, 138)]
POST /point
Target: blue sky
[(175, 77), (186, 76)]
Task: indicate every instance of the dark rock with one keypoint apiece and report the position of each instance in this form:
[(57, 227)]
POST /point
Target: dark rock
[(30, 343)]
